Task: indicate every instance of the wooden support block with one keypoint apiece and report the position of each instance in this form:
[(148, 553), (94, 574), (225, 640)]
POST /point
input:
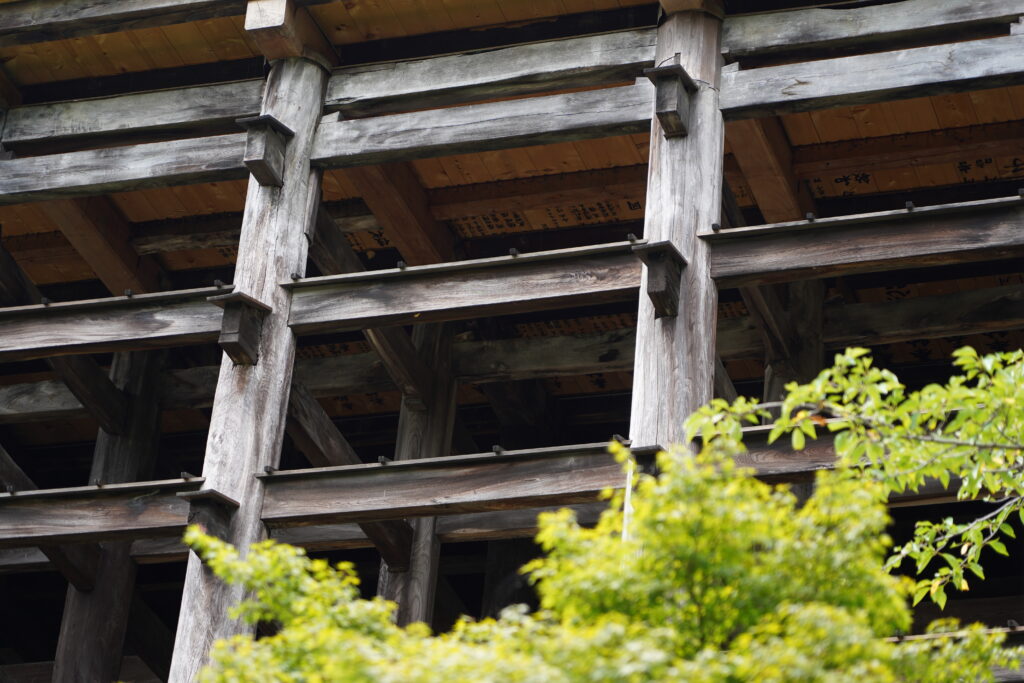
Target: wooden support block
[(664, 269), (264, 148), (714, 7), (672, 86), (211, 510), (241, 327), (282, 29)]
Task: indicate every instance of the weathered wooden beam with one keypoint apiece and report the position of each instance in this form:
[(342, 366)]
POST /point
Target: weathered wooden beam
[(861, 27), (116, 169), (93, 626), (98, 231), (441, 485), (77, 563), (248, 418), (94, 514), (674, 362), (482, 127), (466, 289), (605, 59), (875, 77), (130, 669), (181, 110), (283, 28), (81, 375), (117, 323), (324, 446), (424, 433), (886, 240)]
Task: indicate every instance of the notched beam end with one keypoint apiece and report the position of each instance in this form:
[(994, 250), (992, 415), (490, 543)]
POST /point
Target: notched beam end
[(664, 271), (265, 148), (241, 326), (672, 86), (211, 510)]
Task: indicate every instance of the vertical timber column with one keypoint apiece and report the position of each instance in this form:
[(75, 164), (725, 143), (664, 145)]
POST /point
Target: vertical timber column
[(250, 403), (92, 629), (675, 355), (423, 434)]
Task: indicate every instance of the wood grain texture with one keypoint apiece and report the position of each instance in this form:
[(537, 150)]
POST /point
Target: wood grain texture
[(482, 127), (128, 324), (283, 29), (116, 169), (425, 295), (674, 360), (876, 77), (604, 59), (801, 29), (248, 418), (313, 432), (881, 241), (181, 110)]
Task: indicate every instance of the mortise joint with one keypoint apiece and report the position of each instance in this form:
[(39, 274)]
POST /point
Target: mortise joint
[(211, 510)]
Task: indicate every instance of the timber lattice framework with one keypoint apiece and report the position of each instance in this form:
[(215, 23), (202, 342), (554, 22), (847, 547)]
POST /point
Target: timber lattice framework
[(316, 252)]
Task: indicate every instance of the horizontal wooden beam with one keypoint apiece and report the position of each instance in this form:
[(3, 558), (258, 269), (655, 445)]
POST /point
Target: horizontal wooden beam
[(604, 59), (37, 21), (92, 513), (483, 127), (465, 289), (117, 323), (116, 169), (881, 241), (861, 27), (876, 77), (124, 116)]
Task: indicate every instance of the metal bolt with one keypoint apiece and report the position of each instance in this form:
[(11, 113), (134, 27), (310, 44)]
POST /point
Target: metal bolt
[(631, 237), (715, 227), (513, 252), (810, 216), (909, 206), (128, 293), (401, 265), (296, 276), (218, 284)]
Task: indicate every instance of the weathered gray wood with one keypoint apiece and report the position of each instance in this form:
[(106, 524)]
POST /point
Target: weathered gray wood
[(248, 419), (524, 69), (881, 241), (78, 564), (42, 20), (803, 318), (147, 321), (534, 282), (83, 377), (724, 387), (674, 361), (323, 445), (876, 77), (116, 169), (183, 109), (863, 27), (423, 433), (149, 637), (482, 127)]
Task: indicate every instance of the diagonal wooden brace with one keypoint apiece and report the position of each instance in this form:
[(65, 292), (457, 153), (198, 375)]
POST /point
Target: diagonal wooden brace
[(265, 147), (211, 510), (672, 88), (664, 271), (241, 326)]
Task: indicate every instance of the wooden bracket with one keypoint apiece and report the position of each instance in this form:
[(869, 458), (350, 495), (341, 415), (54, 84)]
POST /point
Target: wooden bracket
[(265, 147), (664, 270), (211, 510), (672, 88), (241, 327)]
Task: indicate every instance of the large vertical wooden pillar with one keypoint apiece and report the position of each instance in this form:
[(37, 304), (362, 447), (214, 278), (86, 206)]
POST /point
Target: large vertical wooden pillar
[(248, 417), (93, 627), (675, 355), (423, 433)]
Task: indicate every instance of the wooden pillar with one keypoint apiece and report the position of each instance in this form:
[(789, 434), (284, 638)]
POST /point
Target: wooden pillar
[(248, 417), (93, 627), (675, 355), (423, 433)]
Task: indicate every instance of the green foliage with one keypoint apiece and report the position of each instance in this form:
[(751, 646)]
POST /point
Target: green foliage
[(967, 433), (718, 577)]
